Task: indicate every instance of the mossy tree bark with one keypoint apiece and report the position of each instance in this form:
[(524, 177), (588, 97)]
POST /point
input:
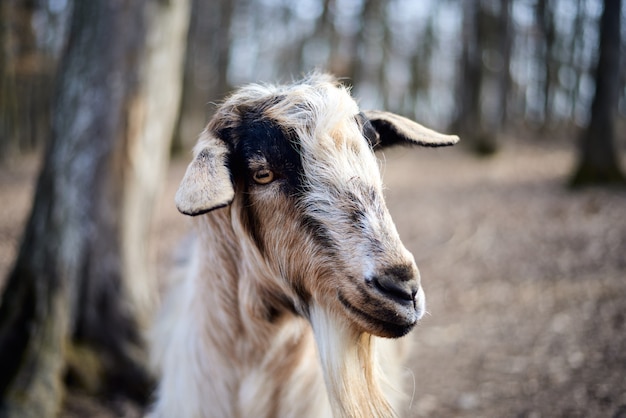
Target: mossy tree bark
[(598, 162), (79, 291)]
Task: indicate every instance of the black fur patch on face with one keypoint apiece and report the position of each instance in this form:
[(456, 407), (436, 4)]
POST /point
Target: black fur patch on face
[(320, 234), (357, 218), (258, 142), (258, 137), (355, 209), (356, 214)]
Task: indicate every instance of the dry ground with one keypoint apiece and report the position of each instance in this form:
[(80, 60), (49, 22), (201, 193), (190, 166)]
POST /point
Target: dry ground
[(525, 280)]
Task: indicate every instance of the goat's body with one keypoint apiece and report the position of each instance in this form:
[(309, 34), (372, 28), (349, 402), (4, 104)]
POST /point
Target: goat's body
[(297, 268)]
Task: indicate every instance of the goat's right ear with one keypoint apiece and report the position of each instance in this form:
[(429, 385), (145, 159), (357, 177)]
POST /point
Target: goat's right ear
[(397, 130), (207, 184)]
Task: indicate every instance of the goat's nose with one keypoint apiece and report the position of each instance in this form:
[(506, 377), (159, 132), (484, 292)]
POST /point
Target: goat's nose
[(403, 290), (402, 286)]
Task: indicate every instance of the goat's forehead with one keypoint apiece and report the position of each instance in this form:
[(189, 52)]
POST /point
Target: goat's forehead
[(319, 119), (331, 144), (313, 111), (318, 105), (322, 119)]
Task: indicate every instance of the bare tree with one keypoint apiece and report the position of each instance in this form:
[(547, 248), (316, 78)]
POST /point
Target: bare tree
[(367, 67), (597, 157), (575, 48), (26, 73), (469, 119), (75, 298), (8, 96), (546, 24), (504, 47), (206, 66)]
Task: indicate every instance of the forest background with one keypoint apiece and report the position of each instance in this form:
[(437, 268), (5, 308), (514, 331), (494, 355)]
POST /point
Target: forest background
[(99, 96)]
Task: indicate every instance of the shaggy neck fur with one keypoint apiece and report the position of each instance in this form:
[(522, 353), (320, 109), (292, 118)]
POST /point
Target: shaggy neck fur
[(350, 369), (262, 356), (232, 361)]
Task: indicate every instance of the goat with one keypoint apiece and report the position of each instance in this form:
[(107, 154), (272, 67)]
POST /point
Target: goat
[(297, 267)]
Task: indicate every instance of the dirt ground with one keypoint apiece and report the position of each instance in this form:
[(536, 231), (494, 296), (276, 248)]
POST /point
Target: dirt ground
[(525, 280)]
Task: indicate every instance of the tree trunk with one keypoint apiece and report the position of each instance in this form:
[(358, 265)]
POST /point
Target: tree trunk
[(598, 162), (545, 18), (72, 303), (504, 45), (206, 67), (8, 113), (575, 58), (469, 120), (26, 77)]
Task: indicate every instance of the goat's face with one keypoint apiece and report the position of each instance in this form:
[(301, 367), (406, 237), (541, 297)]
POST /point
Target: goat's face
[(296, 164)]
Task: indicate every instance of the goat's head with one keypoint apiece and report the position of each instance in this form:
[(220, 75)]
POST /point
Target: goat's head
[(296, 166)]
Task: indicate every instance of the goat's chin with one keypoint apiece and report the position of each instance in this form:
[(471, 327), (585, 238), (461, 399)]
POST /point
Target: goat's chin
[(381, 316)]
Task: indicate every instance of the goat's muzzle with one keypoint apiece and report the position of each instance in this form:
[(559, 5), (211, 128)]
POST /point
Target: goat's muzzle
[(389, 304)]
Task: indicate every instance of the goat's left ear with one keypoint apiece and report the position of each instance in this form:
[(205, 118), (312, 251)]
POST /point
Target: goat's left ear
[(397, 130), (207, 183)]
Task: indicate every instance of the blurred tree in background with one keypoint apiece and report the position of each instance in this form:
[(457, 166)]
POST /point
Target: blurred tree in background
[(99, 88), (80, 291), (598, 160), (31, 35), (206, 66), (483, 67)]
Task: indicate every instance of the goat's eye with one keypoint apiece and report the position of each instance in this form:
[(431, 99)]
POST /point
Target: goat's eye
[(263, 176)]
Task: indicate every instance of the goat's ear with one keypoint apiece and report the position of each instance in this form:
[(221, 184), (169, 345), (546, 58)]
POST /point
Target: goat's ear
[(397, 130), (207, 183)]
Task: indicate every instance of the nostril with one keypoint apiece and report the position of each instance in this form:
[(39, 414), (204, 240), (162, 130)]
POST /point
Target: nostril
[(403, 290)]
